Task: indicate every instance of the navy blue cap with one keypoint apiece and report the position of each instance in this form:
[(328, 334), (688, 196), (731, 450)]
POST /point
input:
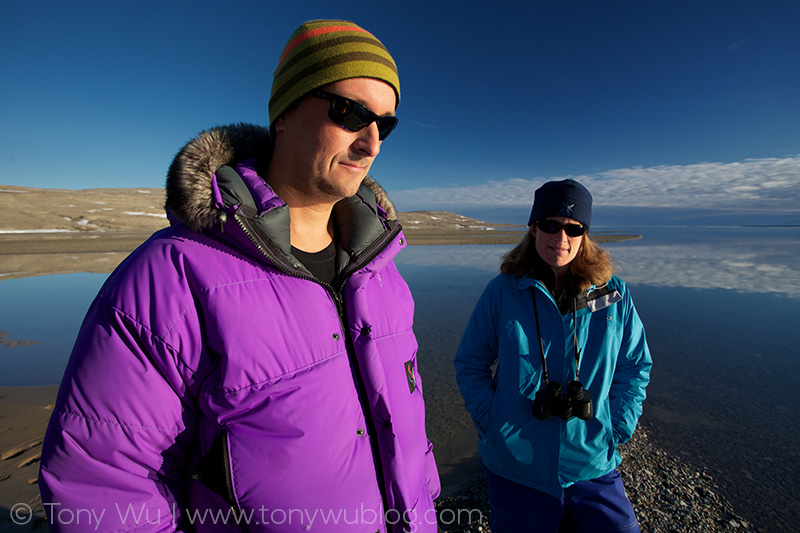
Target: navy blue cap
[(565, 198)]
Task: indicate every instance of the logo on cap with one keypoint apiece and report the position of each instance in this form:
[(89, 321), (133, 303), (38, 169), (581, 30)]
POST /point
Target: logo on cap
[(566, 209)]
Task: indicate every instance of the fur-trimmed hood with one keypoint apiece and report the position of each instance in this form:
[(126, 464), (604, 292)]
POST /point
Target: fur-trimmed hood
[(190, 190)]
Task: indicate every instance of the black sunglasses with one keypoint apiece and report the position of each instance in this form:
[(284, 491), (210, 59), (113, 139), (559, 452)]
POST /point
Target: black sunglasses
[(552, 227), (353, 116)]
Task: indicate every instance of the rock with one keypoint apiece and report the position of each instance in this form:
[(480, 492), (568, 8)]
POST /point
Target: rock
[(30, 460), (22, 448)]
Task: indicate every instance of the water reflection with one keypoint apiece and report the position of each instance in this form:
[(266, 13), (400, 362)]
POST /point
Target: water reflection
[(40, 317), (742, 259)]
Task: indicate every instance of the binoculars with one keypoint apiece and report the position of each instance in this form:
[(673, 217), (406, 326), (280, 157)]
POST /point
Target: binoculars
[(549, 402)]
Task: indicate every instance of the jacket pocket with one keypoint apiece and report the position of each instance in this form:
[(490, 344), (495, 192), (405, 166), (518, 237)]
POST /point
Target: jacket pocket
[(214, 471)]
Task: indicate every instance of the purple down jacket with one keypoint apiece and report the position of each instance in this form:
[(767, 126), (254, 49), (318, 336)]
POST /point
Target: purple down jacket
[(215, 385)]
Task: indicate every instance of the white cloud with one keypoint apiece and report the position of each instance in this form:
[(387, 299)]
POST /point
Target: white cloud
[(749, 184), (738, 45)]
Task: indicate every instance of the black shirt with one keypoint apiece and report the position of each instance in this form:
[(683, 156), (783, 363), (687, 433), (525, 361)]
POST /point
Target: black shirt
[(321, 264)]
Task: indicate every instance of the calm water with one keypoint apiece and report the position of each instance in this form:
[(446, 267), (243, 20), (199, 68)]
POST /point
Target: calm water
[(721, 307)]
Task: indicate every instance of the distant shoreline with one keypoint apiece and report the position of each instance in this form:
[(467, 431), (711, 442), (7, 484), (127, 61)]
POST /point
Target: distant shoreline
[(43, 242), (25, 255)]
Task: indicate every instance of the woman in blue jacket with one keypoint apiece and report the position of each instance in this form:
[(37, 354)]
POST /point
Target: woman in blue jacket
[(553, 367)]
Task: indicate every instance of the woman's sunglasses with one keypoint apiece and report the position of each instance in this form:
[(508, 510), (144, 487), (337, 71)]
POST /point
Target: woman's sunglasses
[(353, 116), (552, 227)]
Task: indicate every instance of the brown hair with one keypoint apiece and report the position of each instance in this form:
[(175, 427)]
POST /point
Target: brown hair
[(592, 265)]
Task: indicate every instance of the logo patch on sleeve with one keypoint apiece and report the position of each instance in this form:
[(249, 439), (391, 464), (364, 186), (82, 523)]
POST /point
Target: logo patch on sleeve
[(412, 379)]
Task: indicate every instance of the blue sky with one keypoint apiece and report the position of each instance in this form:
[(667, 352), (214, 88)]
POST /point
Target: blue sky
[(651, 103)]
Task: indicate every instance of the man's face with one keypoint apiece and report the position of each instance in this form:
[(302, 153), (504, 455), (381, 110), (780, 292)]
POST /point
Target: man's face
[(326, 161)]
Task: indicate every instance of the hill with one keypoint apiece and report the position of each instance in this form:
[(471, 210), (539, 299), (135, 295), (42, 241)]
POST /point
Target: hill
[(51, 231)]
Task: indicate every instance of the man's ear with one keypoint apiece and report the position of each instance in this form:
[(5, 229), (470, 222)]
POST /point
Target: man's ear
[(279, 123)]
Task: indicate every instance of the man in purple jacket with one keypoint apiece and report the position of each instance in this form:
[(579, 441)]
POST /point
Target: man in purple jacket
[(253, 366)]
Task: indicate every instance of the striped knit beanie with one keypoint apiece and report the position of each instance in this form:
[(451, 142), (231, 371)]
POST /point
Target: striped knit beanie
[(325, 51)]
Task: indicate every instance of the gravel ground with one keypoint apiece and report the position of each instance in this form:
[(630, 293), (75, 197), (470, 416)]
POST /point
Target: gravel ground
[(667, 494)]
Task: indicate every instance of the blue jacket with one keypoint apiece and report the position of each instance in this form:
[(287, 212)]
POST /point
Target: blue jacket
[(615, 362)]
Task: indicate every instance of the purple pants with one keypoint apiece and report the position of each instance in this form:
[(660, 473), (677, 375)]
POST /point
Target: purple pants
[(596, 506)]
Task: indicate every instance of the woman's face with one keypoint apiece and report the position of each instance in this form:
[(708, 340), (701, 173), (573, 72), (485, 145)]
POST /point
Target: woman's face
[(559, 249)]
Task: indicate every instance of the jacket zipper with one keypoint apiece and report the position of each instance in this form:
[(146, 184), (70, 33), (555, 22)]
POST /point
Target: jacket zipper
[(358, 378), (367, 256), (561, 437), (271, 257), (234, 503)]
